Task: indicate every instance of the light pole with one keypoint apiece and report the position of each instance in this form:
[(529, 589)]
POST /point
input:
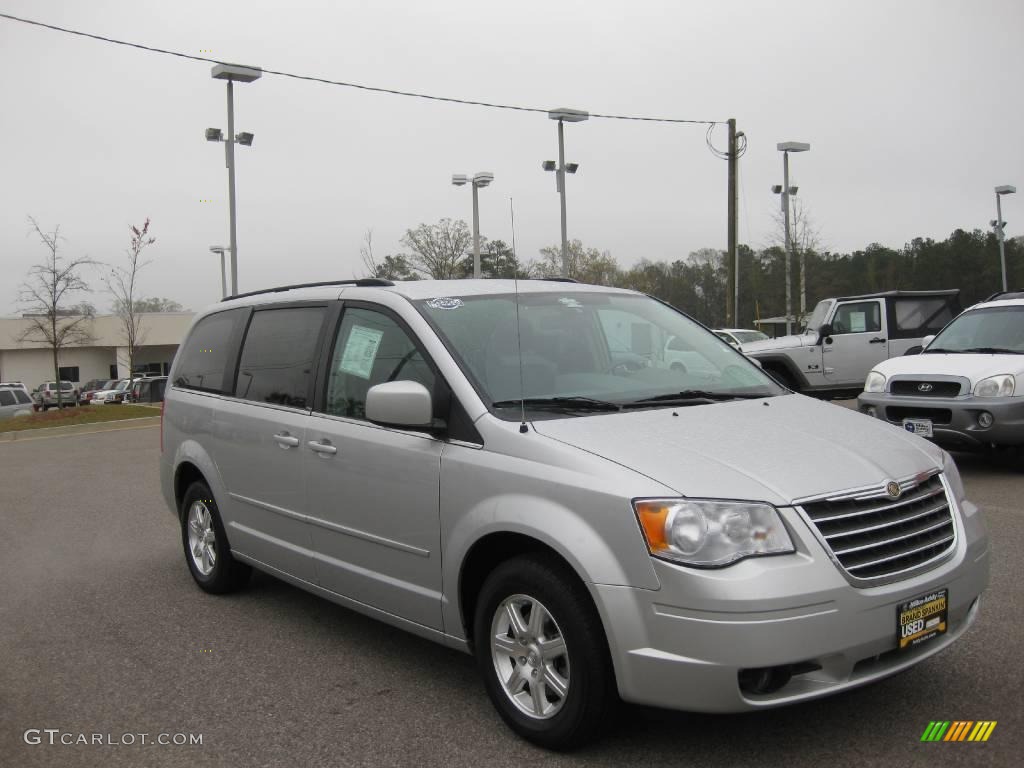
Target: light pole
[(223, 277), (564, 116), (231, 73), (999, 225), (785, 190), (481, 179)]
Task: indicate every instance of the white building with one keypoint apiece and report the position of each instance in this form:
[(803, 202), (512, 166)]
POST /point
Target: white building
[(105, 357)]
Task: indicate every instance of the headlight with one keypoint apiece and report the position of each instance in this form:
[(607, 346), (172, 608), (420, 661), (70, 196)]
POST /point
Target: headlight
[(953, 477), (711, 534), (995, 386), (875, 382)]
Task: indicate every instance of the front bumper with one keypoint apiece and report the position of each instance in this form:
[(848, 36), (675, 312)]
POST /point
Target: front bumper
[(954, 419), (685, 645)]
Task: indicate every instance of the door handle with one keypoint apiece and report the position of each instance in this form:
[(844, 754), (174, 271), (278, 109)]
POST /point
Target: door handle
[(285, 440), (324, 449), (877, 340)]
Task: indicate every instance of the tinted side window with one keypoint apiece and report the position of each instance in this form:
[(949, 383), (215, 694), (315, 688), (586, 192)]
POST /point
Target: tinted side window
[(6, 397), (859, 317), (21, 397), (202, 361), (278, 361), (370, 349)]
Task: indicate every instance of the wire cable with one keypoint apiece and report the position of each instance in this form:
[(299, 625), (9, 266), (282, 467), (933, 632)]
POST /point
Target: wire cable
[(342, 83)]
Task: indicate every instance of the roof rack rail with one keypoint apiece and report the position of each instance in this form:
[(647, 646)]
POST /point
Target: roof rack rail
[(1017, 294), (362, 282), (557, 279)]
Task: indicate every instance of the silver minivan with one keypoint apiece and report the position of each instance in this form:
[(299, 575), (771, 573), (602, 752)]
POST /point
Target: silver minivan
[(515, 469)]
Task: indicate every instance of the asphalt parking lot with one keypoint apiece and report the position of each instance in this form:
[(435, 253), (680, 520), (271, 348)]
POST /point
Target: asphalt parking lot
[(102, 631)]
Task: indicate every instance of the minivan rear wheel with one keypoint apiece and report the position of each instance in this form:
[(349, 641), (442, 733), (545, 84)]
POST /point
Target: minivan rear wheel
[(206, 545), (541, 650)]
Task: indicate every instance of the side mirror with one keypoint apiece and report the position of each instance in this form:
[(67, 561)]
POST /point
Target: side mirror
[(927, 340), (400, 404), (825, 330), (755, 361)]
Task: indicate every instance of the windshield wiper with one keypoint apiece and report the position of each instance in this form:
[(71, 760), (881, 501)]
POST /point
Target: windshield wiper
[(691, 396), (941, 351), (566, 403), (993, 351)]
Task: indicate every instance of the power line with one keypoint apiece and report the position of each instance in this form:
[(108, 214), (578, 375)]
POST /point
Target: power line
[(341, 83)]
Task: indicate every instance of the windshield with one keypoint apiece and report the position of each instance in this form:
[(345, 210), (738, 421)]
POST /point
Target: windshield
[(748, 336), (994, 329), (818, 316), (589, 352), (122, 385)]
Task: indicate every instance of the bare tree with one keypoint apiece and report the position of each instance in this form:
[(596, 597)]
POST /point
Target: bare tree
[(43, 299), (805, 238), (439, 250), (121, 284), (588, 265), (391, 268)]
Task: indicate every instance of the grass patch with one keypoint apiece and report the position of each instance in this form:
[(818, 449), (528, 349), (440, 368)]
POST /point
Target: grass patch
[(86, 414)]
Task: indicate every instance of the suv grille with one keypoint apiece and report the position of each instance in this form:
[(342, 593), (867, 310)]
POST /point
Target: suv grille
[(932, 388), (874, 536)]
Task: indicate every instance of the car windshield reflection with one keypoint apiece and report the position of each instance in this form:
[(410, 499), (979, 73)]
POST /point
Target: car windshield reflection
[(564, 352)]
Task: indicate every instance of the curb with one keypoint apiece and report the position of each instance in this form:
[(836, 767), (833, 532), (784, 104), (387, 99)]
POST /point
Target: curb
[(74, 429)]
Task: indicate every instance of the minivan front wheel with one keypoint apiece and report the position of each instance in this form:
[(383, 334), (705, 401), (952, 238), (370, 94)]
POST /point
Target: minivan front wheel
[(541, 650), (206, 546)]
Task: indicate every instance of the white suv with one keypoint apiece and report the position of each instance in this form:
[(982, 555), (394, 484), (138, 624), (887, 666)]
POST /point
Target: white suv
[(966, 388)]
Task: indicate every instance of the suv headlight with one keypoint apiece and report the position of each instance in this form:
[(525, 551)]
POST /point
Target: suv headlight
[(875, 382), (995, 386), (711, 534)]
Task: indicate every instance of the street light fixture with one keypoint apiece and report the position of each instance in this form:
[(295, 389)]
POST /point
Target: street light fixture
[(999, 225), (786, 191), (232, 73), (481, 179), (564, 115), (223, 276)]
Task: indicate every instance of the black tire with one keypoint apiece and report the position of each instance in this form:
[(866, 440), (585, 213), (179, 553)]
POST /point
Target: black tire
[(220, 573), (591, 695)]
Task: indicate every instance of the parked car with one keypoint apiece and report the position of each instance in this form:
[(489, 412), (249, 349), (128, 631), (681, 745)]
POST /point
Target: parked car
[(149, 389), (114, 395), (45, 395), (737, 337), (966, 390), (14, 400), (466, 460), (93, 386), (846, 337)]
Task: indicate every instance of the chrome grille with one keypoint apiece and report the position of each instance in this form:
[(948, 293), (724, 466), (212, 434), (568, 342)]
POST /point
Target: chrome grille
[(874, 536)]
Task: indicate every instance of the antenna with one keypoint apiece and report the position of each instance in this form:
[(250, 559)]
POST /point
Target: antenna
[(523, 429)]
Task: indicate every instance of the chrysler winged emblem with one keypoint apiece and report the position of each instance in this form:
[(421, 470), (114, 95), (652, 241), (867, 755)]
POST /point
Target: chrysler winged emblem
[(893, 489)]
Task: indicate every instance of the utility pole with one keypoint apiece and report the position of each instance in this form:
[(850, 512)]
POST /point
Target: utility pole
[(732, 299), (789, 242)]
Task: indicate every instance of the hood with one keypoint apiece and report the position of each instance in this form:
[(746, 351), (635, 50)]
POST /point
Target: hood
[(972, 366), (782, 342), (773, 449)]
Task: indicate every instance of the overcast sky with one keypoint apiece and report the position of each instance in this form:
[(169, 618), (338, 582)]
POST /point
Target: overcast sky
[(912, 110)]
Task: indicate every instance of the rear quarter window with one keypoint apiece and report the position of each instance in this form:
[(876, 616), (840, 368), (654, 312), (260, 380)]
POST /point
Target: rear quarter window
[(205, 360)]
